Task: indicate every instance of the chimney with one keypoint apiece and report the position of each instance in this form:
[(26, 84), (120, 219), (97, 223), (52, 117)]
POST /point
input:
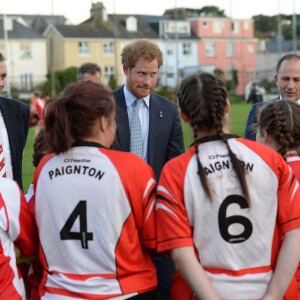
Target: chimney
[(99, 10)]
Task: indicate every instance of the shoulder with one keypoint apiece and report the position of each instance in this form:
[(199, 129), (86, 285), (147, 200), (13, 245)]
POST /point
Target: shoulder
[(118, 92), (12, 103), (162, 101), (125, 160)]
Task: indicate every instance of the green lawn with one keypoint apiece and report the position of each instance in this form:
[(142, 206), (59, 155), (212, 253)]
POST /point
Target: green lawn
[(238, 115)]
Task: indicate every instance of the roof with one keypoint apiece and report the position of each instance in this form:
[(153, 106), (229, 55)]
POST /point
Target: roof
[(286, 45), (19, 31), (115, 26)]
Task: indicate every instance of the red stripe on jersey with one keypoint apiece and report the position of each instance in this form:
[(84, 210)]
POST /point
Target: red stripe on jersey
[(256, 270), (2, 204), (83, 277), (62, 292)]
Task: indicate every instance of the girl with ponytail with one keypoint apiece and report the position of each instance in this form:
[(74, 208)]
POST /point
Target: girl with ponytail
[(223, 205)]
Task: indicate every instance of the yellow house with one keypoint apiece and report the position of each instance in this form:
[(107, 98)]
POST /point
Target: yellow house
[(99, 39)]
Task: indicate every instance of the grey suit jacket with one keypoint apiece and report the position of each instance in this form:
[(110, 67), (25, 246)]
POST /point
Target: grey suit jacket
[(16, 118), (165, 139)]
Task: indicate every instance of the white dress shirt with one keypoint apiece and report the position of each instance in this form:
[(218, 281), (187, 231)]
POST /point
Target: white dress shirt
[(6, 148)]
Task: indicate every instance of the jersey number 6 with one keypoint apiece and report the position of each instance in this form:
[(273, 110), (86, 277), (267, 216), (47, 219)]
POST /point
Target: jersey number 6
[(225, 222)]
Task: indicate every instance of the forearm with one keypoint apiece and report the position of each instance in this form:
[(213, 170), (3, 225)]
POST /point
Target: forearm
[(193, 273), (287, 262)]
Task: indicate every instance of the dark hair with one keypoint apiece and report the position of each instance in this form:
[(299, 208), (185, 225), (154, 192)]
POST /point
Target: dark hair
[(38, 148), (202, 98), (90, 68), (36, 94), (146, 49), (73, 114), (281, 121), (2, 58), (290, 56)]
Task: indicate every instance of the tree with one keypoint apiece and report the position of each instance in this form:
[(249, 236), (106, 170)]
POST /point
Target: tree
[(184, 12), (112, 82), (62, 79)]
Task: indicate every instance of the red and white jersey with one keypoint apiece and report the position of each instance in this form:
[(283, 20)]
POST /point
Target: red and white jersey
[(236, 245), (16, 227), (293, 159), (95, 211), (38, 106)]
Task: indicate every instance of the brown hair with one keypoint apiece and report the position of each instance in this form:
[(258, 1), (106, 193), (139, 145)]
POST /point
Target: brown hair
[(146, 49), (73, 114), (38, 148), (202, 98), (90, 68), (2, 58), (280, 119)]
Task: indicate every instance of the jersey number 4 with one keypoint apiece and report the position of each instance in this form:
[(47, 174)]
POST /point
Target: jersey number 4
[(84, 236)]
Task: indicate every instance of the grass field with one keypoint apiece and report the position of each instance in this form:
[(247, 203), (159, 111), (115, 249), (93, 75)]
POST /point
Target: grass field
[(238, 115)]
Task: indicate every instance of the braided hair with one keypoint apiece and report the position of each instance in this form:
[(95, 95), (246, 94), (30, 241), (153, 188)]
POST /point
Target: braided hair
[(280, 119), (202, 99)]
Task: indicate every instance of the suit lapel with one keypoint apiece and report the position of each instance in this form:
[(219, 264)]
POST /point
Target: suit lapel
[(154, 124), (123, 133)]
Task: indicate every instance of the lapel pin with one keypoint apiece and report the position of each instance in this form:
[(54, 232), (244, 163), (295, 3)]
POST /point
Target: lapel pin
[(161, 114)]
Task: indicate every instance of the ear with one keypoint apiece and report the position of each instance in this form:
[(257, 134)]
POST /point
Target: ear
[(265, 136), (276, 78), (227, 107), (102, 124), (183, 117), (125, 69)]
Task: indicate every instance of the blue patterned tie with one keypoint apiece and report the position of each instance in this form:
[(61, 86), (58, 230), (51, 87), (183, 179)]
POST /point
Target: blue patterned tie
[(136, 137)]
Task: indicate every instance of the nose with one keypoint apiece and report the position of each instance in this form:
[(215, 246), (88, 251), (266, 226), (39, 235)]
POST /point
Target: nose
[(147, 79), (290, 84)]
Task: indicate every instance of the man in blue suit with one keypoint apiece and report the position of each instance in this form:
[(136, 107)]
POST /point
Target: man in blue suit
[(162, 137), (287, 79), (14, 126)]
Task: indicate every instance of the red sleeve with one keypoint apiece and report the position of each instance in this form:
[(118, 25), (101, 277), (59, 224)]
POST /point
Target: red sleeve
[(173, 228), (288, 199), (20, 225), (140, 186)]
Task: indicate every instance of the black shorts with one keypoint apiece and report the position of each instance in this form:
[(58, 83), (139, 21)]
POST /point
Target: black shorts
[(144, 296)]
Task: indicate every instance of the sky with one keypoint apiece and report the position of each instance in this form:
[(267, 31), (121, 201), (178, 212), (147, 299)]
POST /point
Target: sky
[(77, 11)]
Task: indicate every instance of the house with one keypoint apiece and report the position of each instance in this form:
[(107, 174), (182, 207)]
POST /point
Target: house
[(228, 44), (25, 51), (100, 39)]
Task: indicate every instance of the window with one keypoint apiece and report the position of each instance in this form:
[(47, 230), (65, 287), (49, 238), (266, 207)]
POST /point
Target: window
[(170, 72), (210, 50), (250, 48), (230, 50), (109, 48), (169, 49), (108, 70), (131, 24), (235, 27), (84, 48), (187, 49), (246, 25), (26, 81), (217, 26), (25, 51)]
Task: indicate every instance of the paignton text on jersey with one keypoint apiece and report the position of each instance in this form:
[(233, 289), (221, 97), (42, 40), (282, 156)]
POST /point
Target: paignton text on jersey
[(76, 169)]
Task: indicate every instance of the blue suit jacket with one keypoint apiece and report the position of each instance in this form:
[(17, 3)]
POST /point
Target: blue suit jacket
[(16, 118), (165, 139), (250, 130)]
